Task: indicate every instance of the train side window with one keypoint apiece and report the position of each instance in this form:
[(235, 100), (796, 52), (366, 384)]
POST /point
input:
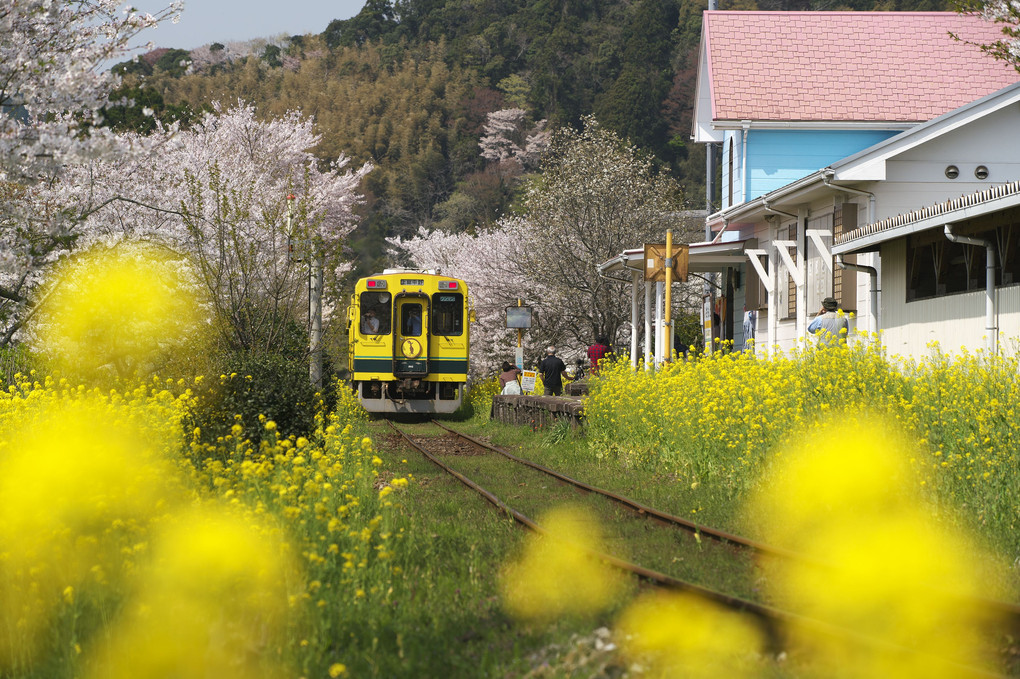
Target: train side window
[(448, 313), (375, 313)]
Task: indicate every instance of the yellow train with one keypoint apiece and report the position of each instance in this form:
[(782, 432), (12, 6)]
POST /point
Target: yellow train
[(409, 339)]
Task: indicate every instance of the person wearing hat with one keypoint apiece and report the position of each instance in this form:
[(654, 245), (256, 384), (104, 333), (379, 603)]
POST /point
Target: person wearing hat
[(552, 368), (830, 325)]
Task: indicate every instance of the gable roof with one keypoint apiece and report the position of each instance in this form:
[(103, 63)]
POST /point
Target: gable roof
[(846, 66)]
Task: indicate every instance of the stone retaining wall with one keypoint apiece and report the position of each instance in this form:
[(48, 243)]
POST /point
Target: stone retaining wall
[(537, 411)]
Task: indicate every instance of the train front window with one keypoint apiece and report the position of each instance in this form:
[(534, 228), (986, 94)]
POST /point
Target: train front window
[(410, 320), (448, 313), (375, 313)]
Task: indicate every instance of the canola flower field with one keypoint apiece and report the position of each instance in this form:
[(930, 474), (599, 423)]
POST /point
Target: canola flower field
[(722, 422), (128, 548), (899, 480)]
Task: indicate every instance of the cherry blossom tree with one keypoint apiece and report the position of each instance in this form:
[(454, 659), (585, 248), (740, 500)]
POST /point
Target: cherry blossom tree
[(52, 85), (509, 139), (594, 197), (52, 88), (218, 193), (1006, 13)]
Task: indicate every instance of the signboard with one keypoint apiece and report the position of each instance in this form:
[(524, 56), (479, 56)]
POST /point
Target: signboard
[(519, 358), (655, 259), (528, 378), (518, 317), (706, 322)]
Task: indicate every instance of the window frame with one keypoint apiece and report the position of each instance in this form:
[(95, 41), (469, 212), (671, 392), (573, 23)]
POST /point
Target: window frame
[(435, 314)]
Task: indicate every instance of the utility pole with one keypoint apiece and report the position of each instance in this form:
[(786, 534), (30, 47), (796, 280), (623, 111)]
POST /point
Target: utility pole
[(314, 292), (315, 311)]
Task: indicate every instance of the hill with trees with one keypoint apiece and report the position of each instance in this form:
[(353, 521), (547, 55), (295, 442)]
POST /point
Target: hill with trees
[(407, 85)]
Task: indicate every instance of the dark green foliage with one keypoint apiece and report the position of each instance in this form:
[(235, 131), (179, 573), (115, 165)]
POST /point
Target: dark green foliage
[(173, 62), (272, 383), (271, 55), (376, 20), (249, 385), (138, 67), (127, 113)]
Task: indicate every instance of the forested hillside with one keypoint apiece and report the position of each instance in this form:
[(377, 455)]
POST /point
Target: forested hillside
[(408, 84)]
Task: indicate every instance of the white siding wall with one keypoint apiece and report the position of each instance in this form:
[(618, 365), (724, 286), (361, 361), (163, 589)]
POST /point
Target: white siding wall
[(917, 177), (954, 321)]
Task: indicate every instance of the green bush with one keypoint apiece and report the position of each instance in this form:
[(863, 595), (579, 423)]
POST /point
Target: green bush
[(250, 385)]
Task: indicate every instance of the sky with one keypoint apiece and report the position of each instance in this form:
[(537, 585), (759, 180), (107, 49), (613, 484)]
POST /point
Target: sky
[(207, 21)]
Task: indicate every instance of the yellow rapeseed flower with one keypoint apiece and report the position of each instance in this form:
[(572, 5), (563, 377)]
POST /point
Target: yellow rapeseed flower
[(557, 575)]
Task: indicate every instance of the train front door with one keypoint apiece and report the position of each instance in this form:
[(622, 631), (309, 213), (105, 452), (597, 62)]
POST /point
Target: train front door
[(411, 341)]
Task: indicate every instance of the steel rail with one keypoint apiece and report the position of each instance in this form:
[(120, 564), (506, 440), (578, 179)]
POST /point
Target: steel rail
[(720, 535), (1009, 611), (769, 618)]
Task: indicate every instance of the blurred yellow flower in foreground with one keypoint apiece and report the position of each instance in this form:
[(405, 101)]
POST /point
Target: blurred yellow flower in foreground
[(78, 480), (556, 574), (212, 603), (878, 565), (684, 635), (117, 311)]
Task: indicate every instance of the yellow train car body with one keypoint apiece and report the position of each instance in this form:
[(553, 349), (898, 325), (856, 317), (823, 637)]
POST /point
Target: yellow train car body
[(409, 340)]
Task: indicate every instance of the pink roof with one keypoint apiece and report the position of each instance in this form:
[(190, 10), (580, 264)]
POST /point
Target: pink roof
[(848, 66)]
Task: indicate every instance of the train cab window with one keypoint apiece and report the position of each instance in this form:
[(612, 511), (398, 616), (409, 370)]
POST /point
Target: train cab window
[(448, 313), (375, 313), (410, 320)]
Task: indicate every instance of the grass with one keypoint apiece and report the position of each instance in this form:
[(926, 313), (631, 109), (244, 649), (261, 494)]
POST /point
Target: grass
[(453, 624)]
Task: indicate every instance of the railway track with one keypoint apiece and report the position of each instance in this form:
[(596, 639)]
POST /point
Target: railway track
[(771, 620)]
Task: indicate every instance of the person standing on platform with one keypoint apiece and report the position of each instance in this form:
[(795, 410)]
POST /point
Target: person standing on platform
[(830, 325), (552, 369), (597, 352)]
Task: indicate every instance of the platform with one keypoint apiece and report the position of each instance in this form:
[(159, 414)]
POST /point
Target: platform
[(537, 411)]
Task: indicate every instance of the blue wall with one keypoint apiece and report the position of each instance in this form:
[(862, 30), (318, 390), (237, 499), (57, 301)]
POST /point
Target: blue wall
[(777, 157)]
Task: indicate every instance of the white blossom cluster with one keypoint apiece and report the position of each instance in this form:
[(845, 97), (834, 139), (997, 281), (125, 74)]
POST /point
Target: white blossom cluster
[(52, 88), (508, 138), (51, 82)]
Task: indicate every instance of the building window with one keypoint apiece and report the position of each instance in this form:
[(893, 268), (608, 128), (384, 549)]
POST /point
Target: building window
[(844, 281), (936, 266)]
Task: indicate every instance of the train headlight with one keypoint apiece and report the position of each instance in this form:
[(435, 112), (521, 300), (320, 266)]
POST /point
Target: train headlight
[(447, 285), (375, 284)]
